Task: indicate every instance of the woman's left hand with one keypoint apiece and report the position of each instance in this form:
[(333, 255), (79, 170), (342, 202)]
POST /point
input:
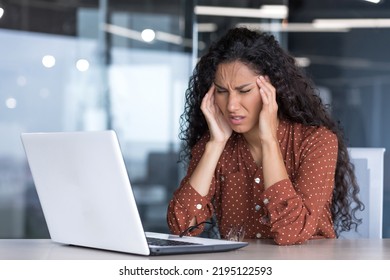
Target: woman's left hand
[(268, 118)]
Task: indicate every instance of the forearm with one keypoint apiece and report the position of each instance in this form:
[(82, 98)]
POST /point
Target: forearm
[(200, 182), (301, 207), (201, 177), (274, 169), (183, 210)]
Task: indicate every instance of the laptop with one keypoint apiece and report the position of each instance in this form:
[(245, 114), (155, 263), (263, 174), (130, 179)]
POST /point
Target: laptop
[(87, 199)]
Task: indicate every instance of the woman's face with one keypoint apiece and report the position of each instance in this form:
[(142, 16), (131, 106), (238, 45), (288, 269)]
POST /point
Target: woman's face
[(237, 95)]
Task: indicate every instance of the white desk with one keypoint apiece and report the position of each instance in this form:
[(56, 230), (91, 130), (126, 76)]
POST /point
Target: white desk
[(359, 249)]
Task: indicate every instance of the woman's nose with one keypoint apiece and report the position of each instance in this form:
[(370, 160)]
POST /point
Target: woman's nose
[(233, 102)]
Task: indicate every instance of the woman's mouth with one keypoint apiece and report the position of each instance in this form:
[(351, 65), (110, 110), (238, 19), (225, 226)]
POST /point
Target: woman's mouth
[(236, 120)]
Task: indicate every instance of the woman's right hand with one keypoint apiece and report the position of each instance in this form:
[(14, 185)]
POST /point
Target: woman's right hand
[(220, 130)]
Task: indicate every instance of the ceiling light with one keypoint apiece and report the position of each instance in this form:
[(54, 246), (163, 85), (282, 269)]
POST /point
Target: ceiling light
[(266, 11), (136, 35), (320, 25), (122, 31), (374, 1), (82, 65), (169, 38), (206, 27), (11, 103), (280, 10), (148, 35), (48, 61), (1, 12), (303, 61), (291, 27), (352, 23)]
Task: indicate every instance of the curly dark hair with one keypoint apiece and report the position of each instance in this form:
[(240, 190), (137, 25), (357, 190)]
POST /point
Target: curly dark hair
[(298, 101)]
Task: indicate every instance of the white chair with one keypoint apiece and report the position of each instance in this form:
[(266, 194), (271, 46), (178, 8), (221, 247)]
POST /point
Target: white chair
[(369, 174)]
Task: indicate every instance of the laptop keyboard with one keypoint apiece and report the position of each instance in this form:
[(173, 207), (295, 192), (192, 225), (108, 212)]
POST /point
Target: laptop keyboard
[(167, 242)]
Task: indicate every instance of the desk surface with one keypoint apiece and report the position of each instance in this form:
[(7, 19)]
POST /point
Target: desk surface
[(324, 249)]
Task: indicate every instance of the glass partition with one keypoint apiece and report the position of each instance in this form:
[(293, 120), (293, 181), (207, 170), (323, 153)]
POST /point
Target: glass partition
[(102, 74)]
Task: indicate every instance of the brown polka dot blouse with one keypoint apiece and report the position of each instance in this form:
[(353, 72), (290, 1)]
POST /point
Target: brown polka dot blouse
[(290, 211)]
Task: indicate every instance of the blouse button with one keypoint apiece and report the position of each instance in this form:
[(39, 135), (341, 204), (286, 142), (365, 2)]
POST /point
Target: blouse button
[(199, 206), (257, 180), (265, 201), (257, 207), (264, 220), (258, 235), (222, 178)]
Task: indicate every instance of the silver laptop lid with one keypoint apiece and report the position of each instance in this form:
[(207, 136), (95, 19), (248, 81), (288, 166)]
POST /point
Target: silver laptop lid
[(76, 181)]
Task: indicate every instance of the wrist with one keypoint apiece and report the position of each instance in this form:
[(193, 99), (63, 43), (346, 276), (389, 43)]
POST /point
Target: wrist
[(270, 149), (274, 169), (216, 145), (270, 143)]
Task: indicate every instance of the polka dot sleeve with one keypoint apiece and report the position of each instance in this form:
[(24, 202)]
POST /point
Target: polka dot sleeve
[(295, 206), (188, 203)]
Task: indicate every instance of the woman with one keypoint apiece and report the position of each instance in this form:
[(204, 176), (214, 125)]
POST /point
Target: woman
[(264, 152)]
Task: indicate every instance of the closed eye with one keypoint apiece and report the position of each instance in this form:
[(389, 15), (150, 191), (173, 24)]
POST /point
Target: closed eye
[(221, 90), (245, 91)]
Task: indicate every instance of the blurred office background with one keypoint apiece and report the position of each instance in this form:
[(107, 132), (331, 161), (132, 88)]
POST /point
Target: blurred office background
[(69, 65)]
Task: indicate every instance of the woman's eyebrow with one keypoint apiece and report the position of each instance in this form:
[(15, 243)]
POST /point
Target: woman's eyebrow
[(243, 86), (238, 88), (218, 85)]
